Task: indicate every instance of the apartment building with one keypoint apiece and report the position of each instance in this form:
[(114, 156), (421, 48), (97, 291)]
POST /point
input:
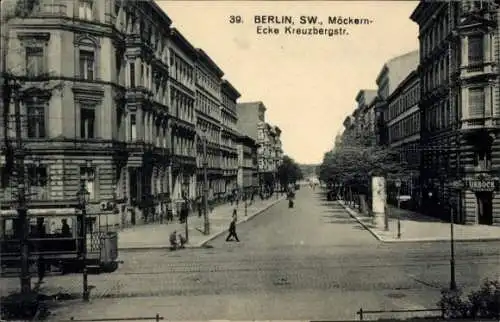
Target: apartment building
[(182, 89), (251, 121), (460, 109), (402, 121), (209, 110), (247, 165), (230, 136), (94, 107)]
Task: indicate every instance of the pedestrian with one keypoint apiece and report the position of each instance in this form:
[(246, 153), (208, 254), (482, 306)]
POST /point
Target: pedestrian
[(235, 214), (232, 231), (173, 240), (40, 234)]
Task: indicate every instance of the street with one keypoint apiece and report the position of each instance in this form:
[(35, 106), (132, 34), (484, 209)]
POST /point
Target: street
[(310, 262)]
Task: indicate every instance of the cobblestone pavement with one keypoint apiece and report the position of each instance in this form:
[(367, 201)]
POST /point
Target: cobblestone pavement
[(310, 262)]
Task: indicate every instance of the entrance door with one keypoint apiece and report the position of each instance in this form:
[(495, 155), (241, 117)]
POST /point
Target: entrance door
[(484, 208)]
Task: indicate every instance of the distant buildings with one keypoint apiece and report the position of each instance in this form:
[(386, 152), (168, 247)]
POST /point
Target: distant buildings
[(439, 106), (268, 137)]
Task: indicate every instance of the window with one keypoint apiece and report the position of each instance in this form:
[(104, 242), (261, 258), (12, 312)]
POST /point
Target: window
[(87, 179), (36, 120), (87, 122), (87, 63), (133, 128), (34, 61), (476, 50), (38, 181), (85, 10), (476, 102), (132, 74)]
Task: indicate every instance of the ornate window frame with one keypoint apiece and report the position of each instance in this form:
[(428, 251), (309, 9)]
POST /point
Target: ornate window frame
[(34, 40), (91, 97), (88, 43)]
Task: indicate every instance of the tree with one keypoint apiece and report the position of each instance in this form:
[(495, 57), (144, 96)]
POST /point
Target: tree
[(289, 171), (355, 159)]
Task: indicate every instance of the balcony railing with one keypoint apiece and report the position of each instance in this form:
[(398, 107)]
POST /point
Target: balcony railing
[(477, 123)]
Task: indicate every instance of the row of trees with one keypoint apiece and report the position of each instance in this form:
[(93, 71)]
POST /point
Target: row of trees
[(353, 160)]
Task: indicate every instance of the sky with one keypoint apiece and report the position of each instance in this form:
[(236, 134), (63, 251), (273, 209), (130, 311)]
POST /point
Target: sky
[(307, 82)]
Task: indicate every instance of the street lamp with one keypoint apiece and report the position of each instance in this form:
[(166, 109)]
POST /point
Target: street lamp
[(83, 198), (398, 186), (457, 185)]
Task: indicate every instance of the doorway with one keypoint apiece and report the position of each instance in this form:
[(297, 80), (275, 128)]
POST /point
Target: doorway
[(484, 208)]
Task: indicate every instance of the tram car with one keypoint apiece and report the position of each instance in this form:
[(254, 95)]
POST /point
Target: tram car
[(57, 236)]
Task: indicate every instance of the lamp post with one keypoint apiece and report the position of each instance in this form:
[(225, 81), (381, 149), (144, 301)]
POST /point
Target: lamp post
[(398, 186), (186, 227), (83, 199), (457, 185), (206, 228)]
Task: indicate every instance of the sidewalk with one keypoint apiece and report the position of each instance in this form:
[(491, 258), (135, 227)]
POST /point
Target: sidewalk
[(152, 236), (416, 227)]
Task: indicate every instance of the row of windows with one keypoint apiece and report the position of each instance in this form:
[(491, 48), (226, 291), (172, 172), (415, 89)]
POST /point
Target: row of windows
[(207, 106), (211, 131), (207, 82), (404, 102), (406, 127), (439, 116), (183, 105), (228, 120), (182, 71), (437, 73), (435, 34), (183, 146), (228, 102)]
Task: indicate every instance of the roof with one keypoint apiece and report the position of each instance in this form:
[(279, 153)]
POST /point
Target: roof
[(259, 103), (230, 89), (203, 57), (183, 43)]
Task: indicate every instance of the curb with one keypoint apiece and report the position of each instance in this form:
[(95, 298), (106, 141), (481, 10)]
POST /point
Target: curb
[(352, 213), (247, 218), (203, 243)]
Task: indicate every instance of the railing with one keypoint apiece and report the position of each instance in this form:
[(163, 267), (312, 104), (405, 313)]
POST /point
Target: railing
[(362, 312), (140, 318)]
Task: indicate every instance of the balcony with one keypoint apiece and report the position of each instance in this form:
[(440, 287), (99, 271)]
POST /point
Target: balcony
[(477, 69), (480, 123)]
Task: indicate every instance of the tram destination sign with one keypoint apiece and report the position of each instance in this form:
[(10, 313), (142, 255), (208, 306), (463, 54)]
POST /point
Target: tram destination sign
[(479, 185)]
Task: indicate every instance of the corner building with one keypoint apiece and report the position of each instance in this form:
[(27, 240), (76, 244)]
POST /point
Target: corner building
[(95, 109), (460, 109)]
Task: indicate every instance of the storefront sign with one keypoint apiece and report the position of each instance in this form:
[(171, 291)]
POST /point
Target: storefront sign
[(481, 185)]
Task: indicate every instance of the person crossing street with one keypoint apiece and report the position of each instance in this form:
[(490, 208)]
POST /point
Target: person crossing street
[(232, 230)]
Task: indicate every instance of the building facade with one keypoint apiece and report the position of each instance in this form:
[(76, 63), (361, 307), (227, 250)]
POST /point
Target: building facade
[(460, 109), (230, 136), (182, 90), (208, 121), (402, 121), (94, 106), (365, 112), (247, 165), (252, 122)]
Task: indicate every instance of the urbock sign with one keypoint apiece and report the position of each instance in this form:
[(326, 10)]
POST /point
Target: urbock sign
[(481, 185)]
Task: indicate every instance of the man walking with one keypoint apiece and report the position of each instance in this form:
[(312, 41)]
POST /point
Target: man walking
[(232, 230)]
